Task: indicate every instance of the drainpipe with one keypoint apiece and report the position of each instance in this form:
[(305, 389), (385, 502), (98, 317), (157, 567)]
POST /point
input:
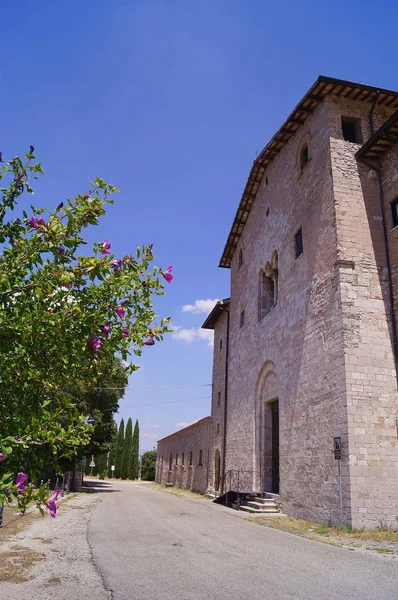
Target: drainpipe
[(386, 246), (225, 400)]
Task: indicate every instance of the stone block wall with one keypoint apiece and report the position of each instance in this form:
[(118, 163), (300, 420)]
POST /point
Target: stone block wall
[(174, 464), (216, 425), (370, 457)]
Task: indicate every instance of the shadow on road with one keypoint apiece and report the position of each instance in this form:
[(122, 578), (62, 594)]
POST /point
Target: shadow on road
[(101, 487)]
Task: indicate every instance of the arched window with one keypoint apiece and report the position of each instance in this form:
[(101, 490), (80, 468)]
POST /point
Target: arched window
[(304, 156), (240, 261), (268, 287)]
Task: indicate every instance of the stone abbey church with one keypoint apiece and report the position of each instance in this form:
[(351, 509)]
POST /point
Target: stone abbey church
[(305, 348)]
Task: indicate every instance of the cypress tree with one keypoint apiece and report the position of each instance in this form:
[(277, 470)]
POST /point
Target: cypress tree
[(101, 465), (135, 449), (112, 453), (127, 448), (119, 449)]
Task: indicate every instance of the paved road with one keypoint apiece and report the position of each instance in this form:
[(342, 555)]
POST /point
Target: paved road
[(151, 545)]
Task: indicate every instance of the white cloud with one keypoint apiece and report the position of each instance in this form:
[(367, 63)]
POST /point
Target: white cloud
[(193, 334), (151, 436), (152, 425), (200, 306)]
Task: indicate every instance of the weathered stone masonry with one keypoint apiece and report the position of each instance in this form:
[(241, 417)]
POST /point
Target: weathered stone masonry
[(311, 335)]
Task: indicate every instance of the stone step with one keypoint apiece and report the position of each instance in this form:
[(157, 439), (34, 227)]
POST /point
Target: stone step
[(265, 501), (262, 511), (270, 506)]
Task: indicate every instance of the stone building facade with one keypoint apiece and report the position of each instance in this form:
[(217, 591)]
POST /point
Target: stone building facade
[(183, 457), (309, 338)]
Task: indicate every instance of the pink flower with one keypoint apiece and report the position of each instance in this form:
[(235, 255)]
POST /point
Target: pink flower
[(95, 342), (21, 478), (2, 457), (105, 247), (105, 330), (51, 506), (117, 264), (150, 342), (167, 275), (33, 222), (125, 332), (119, 310)]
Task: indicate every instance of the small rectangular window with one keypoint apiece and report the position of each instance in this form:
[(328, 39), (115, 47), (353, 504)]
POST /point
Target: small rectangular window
[(219, 399), (182, 459), (200, 463), (351, 128), (190, 459), (176, 459), (242, 318), (394, 212), (218, 427), (298, 242)]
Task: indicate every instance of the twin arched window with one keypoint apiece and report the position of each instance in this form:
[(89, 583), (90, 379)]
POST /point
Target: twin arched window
[(268, 287)]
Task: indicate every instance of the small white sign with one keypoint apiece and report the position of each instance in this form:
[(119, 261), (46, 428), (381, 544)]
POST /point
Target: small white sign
[(112, 467)]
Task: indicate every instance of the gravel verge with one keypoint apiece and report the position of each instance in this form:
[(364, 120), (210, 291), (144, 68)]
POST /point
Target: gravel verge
[(51, 557)]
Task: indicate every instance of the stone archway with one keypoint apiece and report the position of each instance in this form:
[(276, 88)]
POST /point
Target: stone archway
[(266, 392), (217, 462)]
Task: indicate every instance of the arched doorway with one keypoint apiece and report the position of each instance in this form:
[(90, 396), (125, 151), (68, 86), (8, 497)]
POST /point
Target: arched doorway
[(217, 470), (267, 427)]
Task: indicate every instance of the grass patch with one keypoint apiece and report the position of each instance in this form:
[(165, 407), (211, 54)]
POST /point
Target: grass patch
[(288, 524), (322, 528), (313, 530), (179, 492), (17, 563)]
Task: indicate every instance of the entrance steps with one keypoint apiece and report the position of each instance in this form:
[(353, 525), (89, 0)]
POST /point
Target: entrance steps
[(258, 505)]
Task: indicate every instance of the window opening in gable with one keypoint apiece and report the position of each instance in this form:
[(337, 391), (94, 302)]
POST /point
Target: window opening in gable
[(304, 156), (351, 129), (240, 261)]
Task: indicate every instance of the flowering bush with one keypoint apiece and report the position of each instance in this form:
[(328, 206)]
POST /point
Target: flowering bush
[(63, 311)]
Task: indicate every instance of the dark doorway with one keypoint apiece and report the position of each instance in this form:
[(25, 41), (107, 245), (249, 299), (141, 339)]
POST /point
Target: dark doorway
[(275, 447), (217, 471)]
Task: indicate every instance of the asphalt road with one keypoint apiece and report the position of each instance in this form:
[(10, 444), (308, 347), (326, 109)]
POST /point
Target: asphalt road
[(151, 545)]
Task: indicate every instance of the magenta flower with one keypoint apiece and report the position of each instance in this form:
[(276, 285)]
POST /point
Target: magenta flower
[(95, 342), (119, 310), (33, 222), (51, 506), (150, 342), (117, 264), (105, 330), (105, 247), (60, 205), (167, 275), (21, 478), (125, 332), (2, 457)]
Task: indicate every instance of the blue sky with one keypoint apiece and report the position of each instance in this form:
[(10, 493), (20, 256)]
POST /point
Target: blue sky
[(170, 101)]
